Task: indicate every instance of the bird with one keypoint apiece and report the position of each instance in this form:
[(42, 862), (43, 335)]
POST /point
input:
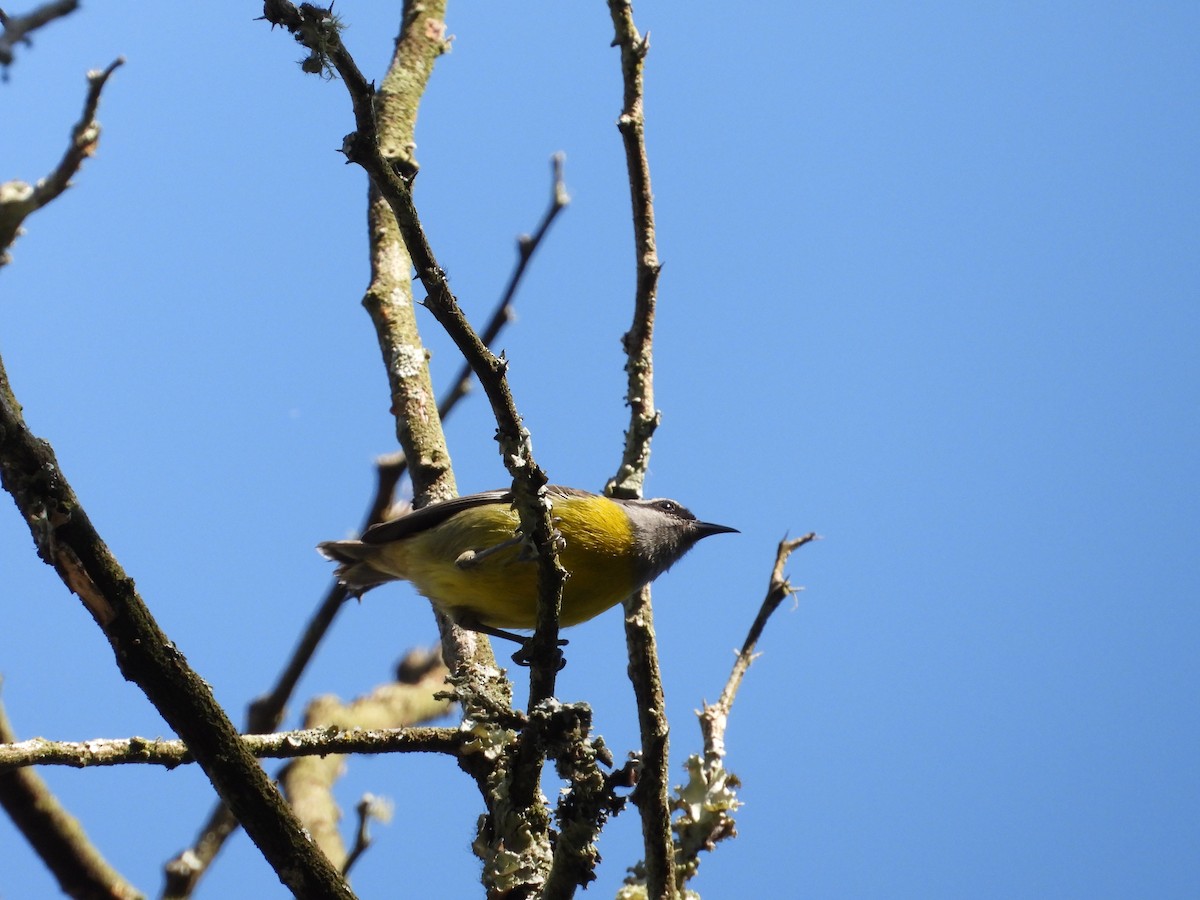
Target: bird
[(468, 557)]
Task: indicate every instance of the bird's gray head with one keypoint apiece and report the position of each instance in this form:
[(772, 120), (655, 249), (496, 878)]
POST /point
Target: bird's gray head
[(663, 532)]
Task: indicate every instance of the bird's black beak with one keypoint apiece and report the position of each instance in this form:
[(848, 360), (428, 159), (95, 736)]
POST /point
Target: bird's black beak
[(704, 529)]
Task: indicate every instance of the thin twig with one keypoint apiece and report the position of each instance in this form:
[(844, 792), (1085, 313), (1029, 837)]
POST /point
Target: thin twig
[(651, 795), (526, 246), (280, 745), (18, 200), (18, 28), (266, 712), (709, 798), (54, 833), (714, 717), (368, 808), (393, 465), (318, 31)]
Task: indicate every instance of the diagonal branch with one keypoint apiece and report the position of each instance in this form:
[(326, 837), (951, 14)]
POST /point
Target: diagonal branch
[(18, 200), (318, 30), (55, 835), (65, 539), (266, 712), (709, 798), (715, 717), (18, 28), (526, 246), (522, 823)]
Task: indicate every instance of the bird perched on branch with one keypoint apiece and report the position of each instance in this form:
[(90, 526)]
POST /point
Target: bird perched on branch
[(467, 555)]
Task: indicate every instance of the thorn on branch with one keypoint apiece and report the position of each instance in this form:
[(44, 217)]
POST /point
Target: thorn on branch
[(314, 27)]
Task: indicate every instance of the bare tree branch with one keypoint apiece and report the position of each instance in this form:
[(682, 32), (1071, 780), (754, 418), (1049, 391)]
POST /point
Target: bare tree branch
[(587, 803), (709, 798), (714, 718), (18, 28), (19, 199), (54, 833), (526, 246), (319, 31), (266, 712), (639, 340), (651, 795), (318, 741), (65, 539), (368, 808), (389, 296)]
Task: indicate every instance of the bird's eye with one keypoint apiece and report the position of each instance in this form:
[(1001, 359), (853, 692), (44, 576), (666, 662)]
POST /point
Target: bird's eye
[(668, 506)]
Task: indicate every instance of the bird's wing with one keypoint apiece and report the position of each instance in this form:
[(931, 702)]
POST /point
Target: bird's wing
[(436, 513), (430, 516)]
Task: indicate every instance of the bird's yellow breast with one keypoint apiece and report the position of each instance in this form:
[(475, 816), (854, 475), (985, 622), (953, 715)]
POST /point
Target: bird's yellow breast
[(500, 589)]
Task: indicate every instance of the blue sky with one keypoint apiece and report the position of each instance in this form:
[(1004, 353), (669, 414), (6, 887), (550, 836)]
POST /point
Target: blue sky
[(930, 289)]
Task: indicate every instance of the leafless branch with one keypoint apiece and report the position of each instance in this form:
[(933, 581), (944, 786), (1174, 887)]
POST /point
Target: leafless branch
[(65, 539), (392, 177), (714, 718), (368, 808), (391, 467), (184, 871), (527, 245), (318, 30), (639, 340), (18, 199), (54, 833), (18, 28), (651, 795), (280, 745), (266, 712), (708, 799), (590, 798)]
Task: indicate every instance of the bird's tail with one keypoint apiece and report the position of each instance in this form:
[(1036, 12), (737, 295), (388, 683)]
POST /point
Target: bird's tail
[(354, 570)]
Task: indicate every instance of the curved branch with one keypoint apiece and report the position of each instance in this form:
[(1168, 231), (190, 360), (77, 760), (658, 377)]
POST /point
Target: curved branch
[(18, 28), (266, 712), (18, 200)]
